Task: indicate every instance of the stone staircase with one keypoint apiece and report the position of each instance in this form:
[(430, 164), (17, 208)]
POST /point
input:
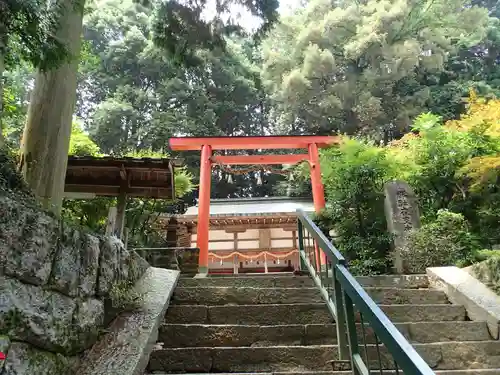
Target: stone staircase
[(264, 324)]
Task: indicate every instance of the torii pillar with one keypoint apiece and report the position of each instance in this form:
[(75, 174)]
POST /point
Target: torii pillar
[(208, 144)]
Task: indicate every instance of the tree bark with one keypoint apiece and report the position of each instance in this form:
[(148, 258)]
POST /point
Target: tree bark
[(45, 143), (3, 51), (2, 68)]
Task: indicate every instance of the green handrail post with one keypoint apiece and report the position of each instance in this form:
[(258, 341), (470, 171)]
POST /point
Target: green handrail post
[(341, 323), (300, 230)]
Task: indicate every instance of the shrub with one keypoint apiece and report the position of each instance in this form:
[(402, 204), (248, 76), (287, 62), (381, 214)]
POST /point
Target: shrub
[(354, 178), (443, 242), (488, 270)]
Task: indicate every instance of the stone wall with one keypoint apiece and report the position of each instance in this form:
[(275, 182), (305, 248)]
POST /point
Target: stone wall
[(55, 284)]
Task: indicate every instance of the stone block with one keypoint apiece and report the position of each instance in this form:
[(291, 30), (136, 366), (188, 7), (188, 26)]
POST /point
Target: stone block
[(22, 359), (187, 314), (273, 358), (109, 264), (245, 296), (423, 313), (427, 332), (87, 322), (243, 359), (184, 360), (137, 266), (76, 264), (461, 288), (201, 335), (39, 317), (387, 296), (394, 281), (402, 215), (269, 314), (28, 241), (249, 282), (126, 348)]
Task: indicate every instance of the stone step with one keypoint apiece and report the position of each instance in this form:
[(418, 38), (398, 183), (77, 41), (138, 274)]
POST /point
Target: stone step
[(202, 335), (255, 296), (395, 281), (308, 313), (487, 371), (249, 281), (390, 281), (452, 355)]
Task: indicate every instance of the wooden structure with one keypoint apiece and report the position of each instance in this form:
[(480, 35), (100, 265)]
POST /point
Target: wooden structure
[(248, 235), (209, 144), (90, 176)]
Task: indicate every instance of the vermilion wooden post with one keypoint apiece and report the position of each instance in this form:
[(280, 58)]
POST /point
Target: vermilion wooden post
[(317, 185), (317, 189), (204, 207)]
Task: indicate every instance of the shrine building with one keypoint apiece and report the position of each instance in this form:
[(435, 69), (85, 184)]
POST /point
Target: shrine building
[(250, 235)]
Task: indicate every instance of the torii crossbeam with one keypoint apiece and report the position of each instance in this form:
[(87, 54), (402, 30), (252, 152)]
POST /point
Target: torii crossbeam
[(207, 144)]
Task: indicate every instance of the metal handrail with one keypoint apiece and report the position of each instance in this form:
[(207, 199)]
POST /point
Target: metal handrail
[(346, 295)]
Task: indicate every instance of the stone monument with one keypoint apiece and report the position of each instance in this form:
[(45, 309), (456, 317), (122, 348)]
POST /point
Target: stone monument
[(402, 214)]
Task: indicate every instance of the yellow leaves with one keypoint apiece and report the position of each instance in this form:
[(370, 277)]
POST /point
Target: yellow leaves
[(481, 115), (404, 141), (482, 170)]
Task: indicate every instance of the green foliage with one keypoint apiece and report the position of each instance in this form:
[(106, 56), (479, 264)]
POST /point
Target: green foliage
[(354, 178), (362, 67), (80, 144), (486, 254), (136, 97), (444, 242), (183, 28), (29, 27)]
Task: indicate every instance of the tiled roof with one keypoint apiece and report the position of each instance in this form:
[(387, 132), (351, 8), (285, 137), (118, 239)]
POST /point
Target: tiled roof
[(255, 206)]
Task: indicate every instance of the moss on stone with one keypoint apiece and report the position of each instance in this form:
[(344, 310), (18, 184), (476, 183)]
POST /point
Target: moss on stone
[(488, 272), (124, 297), (11, 320)]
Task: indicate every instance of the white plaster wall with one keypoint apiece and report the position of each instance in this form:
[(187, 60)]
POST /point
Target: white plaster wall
[(248, 245), (282, 244), (279, 232), (221, 245), (249, 234), (219, 235)]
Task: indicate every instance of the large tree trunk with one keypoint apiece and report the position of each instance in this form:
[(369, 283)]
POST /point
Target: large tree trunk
[(2, 68), (3, 51), (45, 142)]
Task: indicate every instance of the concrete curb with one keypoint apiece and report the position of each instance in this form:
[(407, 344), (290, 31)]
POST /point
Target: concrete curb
[(461, 288), (131, 337)]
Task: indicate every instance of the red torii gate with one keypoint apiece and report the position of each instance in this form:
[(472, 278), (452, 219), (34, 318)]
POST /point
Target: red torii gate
[(209, 144)]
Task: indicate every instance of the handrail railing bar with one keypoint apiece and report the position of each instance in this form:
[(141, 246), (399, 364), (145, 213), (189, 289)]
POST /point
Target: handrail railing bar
[(323, 242), (389, 335), (340, 319), (359, 365), (352, 332), (329, 302)]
